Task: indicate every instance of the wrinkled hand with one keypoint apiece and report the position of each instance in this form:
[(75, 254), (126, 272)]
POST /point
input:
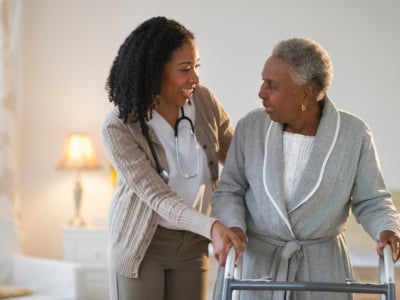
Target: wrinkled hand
[(223, 238), (241, 235), (392, 238)]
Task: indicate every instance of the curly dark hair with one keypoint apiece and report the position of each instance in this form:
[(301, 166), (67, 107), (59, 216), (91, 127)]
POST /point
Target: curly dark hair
[(135, 76)]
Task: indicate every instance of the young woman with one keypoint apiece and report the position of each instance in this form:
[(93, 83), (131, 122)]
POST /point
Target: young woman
[(165, 137)]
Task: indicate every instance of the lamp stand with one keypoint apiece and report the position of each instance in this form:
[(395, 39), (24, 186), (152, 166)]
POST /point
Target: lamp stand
[(77, 220)]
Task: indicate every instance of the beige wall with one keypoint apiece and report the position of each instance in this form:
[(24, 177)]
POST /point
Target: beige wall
[(68, 47)]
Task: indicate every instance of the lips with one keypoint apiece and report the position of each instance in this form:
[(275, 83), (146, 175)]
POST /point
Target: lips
[(187, 93), (268, 109)]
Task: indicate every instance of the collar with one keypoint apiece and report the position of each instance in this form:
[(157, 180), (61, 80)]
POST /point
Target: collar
[(273, 167)]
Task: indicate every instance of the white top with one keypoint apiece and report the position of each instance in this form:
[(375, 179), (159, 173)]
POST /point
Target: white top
[(196, 190), (296, 149)]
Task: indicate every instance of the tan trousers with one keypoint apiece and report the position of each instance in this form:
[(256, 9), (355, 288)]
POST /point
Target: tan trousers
[(175, 267)]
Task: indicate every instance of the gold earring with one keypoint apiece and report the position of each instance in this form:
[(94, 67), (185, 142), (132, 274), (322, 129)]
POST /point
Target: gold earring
[(303, 107)]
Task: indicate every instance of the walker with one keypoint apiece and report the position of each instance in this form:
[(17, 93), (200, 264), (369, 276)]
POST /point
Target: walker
[(232, 283)]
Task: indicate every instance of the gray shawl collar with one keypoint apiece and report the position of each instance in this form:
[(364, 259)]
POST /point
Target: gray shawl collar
[(324, 142)]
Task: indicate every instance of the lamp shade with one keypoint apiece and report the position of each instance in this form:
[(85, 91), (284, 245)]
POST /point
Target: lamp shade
[(78, 153)]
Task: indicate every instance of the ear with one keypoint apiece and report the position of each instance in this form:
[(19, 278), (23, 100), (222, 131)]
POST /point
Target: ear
[(309, 92)]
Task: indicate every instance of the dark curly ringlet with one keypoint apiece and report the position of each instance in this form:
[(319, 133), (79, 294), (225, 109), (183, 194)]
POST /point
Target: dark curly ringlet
[(135, 76)]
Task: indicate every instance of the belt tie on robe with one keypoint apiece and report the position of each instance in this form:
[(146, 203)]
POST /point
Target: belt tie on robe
[(291, 250), (283, 271)]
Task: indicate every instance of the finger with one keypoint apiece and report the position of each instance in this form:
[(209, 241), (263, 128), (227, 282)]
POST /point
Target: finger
[(240, 242), (384, 239), (395, 250), (239, 246), (380, 248), (216, 256), (222, 258)]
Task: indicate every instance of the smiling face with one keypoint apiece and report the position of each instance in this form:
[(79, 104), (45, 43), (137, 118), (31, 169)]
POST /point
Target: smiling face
[(180, 77), (282, 97)]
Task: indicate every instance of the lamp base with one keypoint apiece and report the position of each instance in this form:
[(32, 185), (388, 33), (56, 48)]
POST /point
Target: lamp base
[(76, 222)]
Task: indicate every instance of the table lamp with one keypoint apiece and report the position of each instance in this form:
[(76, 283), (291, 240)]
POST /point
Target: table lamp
[(78, 155)]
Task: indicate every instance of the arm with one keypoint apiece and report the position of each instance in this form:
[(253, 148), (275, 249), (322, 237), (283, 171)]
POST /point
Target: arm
[(229, 199), (371, 201)]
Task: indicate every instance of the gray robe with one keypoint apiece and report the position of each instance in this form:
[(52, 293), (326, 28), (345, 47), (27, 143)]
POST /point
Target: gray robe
[(302, 240)]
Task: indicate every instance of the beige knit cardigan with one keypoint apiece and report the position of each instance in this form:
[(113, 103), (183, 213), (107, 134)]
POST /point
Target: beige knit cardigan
[(142, 195)]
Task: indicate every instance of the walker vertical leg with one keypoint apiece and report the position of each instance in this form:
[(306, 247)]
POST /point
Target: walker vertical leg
[(226, 293), (391, 295)]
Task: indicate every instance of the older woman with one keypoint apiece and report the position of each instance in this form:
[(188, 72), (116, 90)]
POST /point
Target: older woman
[(292, 174)]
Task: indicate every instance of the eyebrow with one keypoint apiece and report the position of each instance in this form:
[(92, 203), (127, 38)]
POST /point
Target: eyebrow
[(184, 63), (188, 62)]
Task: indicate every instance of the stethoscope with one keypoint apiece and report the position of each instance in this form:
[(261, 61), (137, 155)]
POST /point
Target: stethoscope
[(163, 173)]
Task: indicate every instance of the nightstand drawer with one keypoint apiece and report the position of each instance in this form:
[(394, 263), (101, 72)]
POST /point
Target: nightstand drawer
[(88, 247), (91, 254)]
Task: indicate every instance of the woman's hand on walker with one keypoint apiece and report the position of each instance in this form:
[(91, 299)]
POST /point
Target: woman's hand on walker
[(392, 238), (223, 238)]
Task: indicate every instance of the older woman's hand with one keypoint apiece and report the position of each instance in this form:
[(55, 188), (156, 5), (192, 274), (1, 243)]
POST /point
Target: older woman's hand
[(392, 238), (223, 238)]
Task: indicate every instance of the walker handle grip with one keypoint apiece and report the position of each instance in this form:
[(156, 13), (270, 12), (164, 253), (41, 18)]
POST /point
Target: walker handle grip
[(233, 265), (386, 266), (230, 263)]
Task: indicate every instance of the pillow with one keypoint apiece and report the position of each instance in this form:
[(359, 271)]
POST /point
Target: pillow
[(13, 291)]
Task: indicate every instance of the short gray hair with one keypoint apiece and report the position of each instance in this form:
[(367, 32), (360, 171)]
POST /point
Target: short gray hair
[(308, 62)]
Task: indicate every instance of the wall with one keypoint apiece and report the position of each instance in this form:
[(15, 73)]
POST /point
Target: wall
[(68, 47)]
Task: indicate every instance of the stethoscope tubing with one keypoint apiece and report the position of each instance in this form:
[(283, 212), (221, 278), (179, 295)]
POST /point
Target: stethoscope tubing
[(162, 172)]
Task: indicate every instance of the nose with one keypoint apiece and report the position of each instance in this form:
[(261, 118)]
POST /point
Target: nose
[(194, 78), (262, 93)]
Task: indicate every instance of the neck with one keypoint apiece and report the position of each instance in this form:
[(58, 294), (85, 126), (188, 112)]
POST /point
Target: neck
[(170, 114), (307, 124)]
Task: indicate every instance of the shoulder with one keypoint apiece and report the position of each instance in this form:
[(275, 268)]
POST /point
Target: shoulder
[(256, 117), (207, 99), (252, 126), (209, 107), (112, 124), (204, 96), (353, 123), (111, 117), (203, 91)]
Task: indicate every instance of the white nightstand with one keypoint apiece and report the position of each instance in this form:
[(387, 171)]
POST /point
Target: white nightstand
[(88, 246)]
